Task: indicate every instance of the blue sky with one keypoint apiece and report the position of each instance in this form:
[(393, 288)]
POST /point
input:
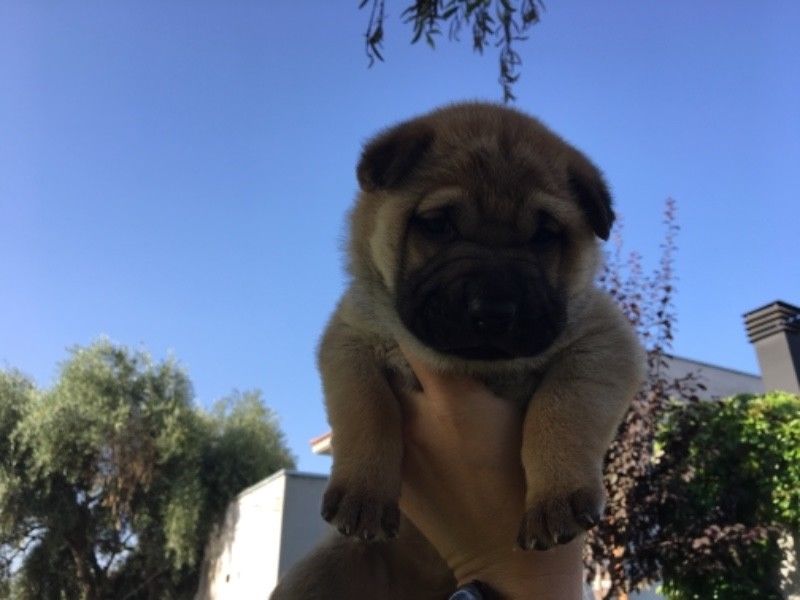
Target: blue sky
[(174, 175)]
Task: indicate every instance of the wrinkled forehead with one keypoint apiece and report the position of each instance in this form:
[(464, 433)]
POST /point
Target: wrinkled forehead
[(499, 170), (497, 166)]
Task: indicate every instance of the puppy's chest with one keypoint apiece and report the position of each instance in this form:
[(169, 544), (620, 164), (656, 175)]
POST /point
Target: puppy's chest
[(516, 386)]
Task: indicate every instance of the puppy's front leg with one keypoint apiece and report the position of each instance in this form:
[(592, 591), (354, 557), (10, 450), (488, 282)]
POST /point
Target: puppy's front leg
[(568, 426), (364, 414)]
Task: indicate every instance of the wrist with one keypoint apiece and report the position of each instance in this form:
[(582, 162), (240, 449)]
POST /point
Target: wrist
[(475, 590), (516, 574)]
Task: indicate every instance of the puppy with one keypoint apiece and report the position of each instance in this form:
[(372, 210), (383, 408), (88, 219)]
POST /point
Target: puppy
[(474, 244)]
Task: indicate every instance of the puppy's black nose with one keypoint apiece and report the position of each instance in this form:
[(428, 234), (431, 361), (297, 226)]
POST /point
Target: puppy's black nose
[(491, 316)]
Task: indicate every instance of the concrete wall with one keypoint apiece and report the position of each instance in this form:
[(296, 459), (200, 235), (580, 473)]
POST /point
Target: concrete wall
[(302, 525), (645, 595), (265, 530), (721, 382)]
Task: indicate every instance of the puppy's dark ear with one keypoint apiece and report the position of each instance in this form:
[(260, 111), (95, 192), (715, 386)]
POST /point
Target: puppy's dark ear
[(591, 192), (390, 158)]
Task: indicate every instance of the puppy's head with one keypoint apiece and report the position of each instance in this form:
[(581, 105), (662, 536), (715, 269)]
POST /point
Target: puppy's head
[(480, 226)]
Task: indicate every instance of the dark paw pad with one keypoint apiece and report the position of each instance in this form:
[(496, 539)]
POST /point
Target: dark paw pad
[(554, 520), (360, 514)]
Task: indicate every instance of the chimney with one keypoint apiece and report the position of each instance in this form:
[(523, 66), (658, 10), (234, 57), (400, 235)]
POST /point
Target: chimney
[(774, 330)]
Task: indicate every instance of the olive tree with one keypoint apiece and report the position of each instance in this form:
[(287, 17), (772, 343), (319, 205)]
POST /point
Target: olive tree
[(111, 480)]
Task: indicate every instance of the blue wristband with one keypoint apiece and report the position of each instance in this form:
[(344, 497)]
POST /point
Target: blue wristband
[(474, 590)]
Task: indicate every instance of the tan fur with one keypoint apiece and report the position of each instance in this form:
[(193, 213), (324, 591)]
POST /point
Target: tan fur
[(503, 176), (341, 568)]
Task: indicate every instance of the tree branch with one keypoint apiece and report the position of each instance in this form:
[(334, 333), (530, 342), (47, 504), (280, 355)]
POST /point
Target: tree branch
[(513, 18)]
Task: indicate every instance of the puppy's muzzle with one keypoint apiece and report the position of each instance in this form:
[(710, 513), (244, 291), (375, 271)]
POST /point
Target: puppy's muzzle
[(491, 316), (488, 312)]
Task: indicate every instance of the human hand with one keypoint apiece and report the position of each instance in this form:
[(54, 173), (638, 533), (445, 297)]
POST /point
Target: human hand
[(463, 487)]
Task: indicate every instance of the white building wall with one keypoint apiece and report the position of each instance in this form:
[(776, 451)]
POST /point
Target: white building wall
[(645, 595), (719, 381), (302, 526), (267, 527)]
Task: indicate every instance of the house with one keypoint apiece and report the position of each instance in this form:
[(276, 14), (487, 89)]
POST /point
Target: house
[(272, 524)]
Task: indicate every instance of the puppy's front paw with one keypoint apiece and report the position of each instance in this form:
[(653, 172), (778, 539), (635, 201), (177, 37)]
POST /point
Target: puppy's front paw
[(361, 513), (557, 518)]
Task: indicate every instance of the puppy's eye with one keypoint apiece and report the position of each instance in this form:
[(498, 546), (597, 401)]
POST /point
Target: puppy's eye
[(546, 235), (435, 225)]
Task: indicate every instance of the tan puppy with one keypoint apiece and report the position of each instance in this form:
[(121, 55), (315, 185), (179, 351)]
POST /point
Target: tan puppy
[(474, 244)]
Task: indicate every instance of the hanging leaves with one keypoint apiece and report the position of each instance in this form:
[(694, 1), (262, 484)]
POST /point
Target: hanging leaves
[(503, 22)]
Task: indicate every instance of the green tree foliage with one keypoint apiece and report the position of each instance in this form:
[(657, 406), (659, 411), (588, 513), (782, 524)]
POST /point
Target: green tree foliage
[(111, 481), (726, 485), (698, 492), (614, 549), (502, 22)]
